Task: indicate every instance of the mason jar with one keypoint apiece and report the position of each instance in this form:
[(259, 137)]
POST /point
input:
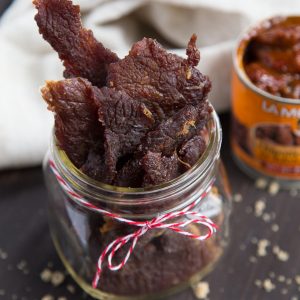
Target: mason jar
[(163, 260)]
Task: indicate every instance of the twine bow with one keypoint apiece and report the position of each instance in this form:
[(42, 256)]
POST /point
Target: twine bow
[(159, 222)]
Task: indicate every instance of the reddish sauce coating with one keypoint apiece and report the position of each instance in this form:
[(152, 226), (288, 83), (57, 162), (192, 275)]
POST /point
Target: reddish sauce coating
[(272, 59)]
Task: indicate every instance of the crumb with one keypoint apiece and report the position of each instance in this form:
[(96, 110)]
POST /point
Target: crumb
[(2, 292), (62, 298), (48, 297), (3, 254), (259, 207), (284, 291), (281, 278), (288, 281), (258, 283), (274, 188), (280, 254), (262, 247), (50, 264), (71, 288), (293, 192), (57, 278), (22, 265), (46, 275), (14, 297), (237, 198), (201, 290), (297, 279), (253, 259), (268, 285), (266, 217), (261, 183), (294, 298), (275, 227)]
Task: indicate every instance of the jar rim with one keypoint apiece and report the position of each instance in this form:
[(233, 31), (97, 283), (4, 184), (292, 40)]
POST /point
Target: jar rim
[(83, 183), (238, 57)]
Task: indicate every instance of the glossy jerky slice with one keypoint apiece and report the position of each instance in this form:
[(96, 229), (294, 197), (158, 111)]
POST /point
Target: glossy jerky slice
[(159, 169), (83, 56), (77, 128), (164, 81), (126, 122), (192, 150), (174, 131)]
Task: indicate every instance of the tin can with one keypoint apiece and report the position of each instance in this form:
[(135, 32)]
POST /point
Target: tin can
[(257, 113)]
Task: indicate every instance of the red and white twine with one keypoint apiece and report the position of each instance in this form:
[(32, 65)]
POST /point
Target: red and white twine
[(158, 222)]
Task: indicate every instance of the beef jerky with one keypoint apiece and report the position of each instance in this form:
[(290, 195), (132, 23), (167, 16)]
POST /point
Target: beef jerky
[(126, 122), (95, 167), (159, 169), (177, 129), (192, 150), (164, 81), (130, 174), (77, 128), (83, 56)]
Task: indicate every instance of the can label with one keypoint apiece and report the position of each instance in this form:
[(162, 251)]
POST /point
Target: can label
[(265, 132)]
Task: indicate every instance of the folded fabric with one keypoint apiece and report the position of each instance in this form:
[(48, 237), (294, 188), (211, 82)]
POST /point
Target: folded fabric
[(26, 61)]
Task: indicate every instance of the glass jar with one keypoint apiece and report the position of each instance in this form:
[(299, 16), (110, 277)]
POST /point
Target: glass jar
[(163, 261)]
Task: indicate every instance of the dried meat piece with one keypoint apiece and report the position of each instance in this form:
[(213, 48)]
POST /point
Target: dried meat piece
[(192, 150), (164, 81), (77, 128), (83, 56), (131, 174), (174, 131), (95, 167), (159, 169), (126, 122)]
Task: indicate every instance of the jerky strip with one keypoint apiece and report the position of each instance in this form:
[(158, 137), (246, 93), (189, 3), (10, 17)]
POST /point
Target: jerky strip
[(164, 81), (159, 169), (77, 128), (83, 56), (177, 129), (126, 122)]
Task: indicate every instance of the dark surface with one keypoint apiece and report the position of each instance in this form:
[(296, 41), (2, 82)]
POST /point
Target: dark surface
[(24, 236)]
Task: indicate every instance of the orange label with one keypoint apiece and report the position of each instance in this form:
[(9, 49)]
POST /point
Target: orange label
[(265, 132)]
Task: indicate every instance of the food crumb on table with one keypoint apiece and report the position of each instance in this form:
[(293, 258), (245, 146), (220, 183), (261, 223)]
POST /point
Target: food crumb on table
[(47, 297), (268, 285), (201, 290), (280, 254), (274, 188), (261, 183), (262, 247), (259, 208)]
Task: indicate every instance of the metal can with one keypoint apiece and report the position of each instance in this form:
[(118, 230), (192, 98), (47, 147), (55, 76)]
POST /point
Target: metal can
[(256, 112)]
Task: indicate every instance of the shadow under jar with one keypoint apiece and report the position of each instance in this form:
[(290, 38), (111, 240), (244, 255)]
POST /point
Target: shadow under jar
[(163, 261)]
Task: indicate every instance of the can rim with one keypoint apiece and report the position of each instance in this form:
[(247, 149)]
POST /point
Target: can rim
[(246, 37)]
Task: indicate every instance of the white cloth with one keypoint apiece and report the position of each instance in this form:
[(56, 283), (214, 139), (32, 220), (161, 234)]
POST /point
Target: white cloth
[(26, 60)]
